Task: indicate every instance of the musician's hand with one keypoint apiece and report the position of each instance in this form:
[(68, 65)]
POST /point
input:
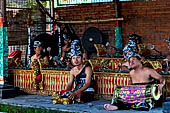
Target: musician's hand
[(50, 57), (72, 95), (160, 87), (62, 58), (67, 49)]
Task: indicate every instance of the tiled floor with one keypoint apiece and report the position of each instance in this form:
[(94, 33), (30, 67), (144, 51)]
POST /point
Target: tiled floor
[(46, 102)]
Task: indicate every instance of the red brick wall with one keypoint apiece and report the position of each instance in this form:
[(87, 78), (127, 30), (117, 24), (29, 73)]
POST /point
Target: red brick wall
[(151, 20)]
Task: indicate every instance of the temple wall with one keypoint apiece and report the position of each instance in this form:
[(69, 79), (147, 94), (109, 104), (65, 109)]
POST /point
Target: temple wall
[(150, 20)]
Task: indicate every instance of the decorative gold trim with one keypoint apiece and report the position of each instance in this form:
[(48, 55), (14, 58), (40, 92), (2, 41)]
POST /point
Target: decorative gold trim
[(57, 80)]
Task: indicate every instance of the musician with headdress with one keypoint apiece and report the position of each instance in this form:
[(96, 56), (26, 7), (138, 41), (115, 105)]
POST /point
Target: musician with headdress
[(38, 49), (38, 60), (134, 46), (66, 47), (138, 94), (128, 49), (81, 75)]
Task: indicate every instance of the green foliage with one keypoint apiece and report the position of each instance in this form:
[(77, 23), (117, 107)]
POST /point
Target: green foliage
[(20, 109), (33, 4), (3, 108)]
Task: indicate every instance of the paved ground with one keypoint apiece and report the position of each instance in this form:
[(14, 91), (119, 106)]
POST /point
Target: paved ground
[(46, 102)]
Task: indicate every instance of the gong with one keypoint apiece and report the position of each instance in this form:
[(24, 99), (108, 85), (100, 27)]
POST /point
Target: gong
[(90, 37)]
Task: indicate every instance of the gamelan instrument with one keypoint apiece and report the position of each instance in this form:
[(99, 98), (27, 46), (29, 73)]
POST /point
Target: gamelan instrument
[(136, 93)]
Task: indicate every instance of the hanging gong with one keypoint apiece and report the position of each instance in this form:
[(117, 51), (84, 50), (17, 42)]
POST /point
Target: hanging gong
[(90, 37)]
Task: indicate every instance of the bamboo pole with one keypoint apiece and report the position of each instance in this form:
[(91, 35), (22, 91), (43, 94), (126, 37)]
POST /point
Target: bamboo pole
[(90, 21), (3, 9), (117, 8)]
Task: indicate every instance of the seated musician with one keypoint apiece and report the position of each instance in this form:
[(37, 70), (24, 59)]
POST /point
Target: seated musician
[(82, 75), (139, 75), (66, 47), (38, 48), (37, 62)]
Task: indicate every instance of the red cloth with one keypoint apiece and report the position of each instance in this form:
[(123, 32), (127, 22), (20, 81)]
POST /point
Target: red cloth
[(102, 53), (63, 91), (15, 54), (1, 22), (38, 78), (158, 70), (97, 67)]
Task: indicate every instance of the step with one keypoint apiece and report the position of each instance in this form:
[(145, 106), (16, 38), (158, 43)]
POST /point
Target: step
[(8, 91)]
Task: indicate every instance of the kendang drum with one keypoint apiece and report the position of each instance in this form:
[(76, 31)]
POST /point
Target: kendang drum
[(137, 95)]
